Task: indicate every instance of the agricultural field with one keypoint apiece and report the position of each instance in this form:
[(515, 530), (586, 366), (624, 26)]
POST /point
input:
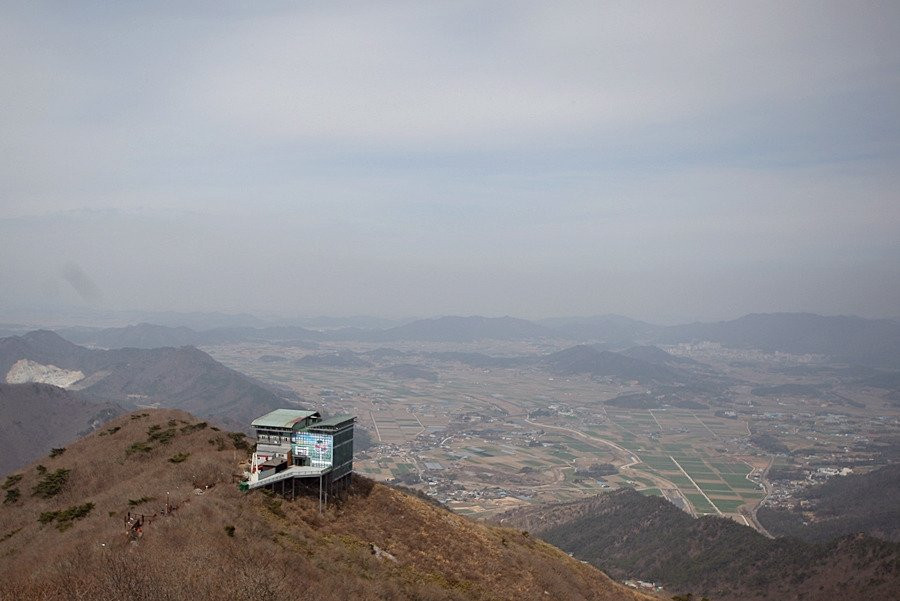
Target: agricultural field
[(484, 439), (681, 454)]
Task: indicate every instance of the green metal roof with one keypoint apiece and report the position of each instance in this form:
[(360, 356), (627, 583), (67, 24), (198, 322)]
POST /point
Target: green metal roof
[(282, 418), (333, 421)]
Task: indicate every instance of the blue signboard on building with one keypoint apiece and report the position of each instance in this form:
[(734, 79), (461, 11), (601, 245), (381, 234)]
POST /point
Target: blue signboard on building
[(318, 447)]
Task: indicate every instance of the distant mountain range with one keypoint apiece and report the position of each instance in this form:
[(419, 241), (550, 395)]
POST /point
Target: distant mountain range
[(200, 320), (643, 363), (147, 335), (444, 329), (182, 377), (854, 340), (631, 535), (142, 335), (869, 342)]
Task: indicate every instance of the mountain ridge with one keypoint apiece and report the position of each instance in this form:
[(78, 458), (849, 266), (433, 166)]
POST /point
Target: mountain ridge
[(64, 535), (183, 377)]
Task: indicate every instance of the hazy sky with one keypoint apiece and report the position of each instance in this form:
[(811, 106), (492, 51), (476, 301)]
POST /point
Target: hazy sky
[(659, 160)]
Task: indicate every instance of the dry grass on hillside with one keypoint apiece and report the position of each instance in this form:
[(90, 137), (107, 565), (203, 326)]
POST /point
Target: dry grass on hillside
[(224, 544)]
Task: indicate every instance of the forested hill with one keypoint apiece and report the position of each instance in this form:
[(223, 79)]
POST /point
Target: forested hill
[(628, 534), (868, 503)]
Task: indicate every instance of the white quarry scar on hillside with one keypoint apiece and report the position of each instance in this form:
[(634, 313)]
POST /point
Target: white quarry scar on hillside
[(24, 371)]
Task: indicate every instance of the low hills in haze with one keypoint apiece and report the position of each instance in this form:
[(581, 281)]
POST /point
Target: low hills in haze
[(628, 534), (661, 368), (464, 329), (645, 364), (443, 329), (870, 342), (183, 377), (147, 335), (854, 340), (63, 534), (584, 359)]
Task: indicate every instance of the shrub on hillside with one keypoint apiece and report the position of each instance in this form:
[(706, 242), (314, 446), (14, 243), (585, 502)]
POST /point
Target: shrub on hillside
[(51, 484), (238, 439), (138, 447), (12, 495), (190, 428), (156, 434), (11, 480), (141, 501), (65, 517)]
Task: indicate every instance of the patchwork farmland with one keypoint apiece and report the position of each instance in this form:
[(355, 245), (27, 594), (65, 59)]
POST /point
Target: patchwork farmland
[(483, 439)]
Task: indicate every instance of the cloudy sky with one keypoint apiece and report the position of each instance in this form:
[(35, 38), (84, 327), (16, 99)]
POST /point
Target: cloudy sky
[(667, 161)]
